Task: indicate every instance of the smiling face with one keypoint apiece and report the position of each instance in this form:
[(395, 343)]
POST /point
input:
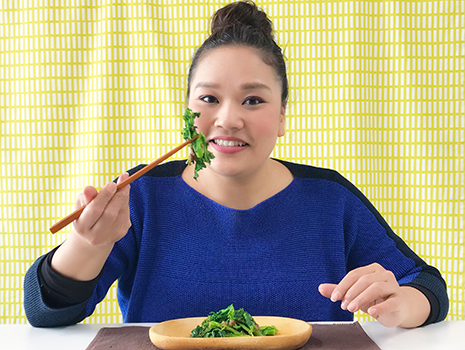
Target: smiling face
[(241, 113)]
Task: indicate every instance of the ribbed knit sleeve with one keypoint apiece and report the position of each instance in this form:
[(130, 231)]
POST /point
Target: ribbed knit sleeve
[(38, 313), (378, 242), (375, 241), (369, 238)]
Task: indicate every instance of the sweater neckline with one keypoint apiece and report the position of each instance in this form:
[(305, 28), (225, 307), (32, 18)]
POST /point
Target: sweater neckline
[(278, 196)]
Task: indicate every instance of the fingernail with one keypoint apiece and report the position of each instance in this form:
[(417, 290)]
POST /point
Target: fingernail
[(370, 312), (352, 307), (335, 297), (344, 305)]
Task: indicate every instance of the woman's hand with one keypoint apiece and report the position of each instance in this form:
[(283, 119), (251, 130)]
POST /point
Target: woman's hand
[(375, 291), (105, 220)]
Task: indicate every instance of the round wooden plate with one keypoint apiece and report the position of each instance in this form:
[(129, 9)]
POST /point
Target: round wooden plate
[(175, 335)]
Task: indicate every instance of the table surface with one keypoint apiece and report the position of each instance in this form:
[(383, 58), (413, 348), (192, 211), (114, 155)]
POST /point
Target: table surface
[(448, 335)]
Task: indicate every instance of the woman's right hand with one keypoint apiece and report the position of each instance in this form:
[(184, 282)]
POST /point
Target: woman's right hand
[(105, 219)]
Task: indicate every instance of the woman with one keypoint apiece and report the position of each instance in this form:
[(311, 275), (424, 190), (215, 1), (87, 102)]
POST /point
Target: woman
[(273, 237)]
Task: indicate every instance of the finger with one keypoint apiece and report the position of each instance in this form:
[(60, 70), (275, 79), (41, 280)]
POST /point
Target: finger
[(385, 306), (374, 292), (326, 289), (124, 219), (122, 177), (388, 312), (354, 276), (94, 209), (112, 225), (370, 289), (85, 197), (125, 189), (89, 194), (80, 201), (106, 214), (347, 282), (116, 212), (125, 214)]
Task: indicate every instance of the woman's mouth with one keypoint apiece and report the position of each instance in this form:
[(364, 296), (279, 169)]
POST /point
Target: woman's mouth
[(227, 143), (228, 146)]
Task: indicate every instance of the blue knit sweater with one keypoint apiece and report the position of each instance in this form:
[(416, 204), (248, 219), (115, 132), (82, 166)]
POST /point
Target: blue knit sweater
[(186, 255)]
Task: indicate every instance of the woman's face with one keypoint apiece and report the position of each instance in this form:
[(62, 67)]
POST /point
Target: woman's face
[(241, 114)]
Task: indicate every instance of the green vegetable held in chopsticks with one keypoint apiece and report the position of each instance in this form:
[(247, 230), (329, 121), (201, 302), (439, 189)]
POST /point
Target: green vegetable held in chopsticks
[(231, 323), (199, 154)]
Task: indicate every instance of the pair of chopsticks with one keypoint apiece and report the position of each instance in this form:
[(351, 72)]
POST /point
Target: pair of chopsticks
[(77, 213)]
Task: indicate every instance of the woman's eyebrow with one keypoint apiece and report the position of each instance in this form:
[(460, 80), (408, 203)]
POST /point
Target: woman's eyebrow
[(205, 84), (254, 86), (246, 86)]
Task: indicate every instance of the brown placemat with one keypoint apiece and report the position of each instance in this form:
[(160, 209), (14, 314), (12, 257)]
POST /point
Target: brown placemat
[(350, 336), (346, 336), (122, 338)]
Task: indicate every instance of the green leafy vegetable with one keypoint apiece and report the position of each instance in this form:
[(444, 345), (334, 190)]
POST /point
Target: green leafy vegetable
[(229, 322), (199, 154)]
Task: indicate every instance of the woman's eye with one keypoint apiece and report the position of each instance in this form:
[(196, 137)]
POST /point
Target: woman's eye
[(253, 101), (209, 99)]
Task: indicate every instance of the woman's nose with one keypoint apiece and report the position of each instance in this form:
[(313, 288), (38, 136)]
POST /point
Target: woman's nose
[(229, 117)]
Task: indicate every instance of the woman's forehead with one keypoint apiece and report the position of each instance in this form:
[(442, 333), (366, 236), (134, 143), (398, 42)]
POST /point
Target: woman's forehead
[(242, 64)]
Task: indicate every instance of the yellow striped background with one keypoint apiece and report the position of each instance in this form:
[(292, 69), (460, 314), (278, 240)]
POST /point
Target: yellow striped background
[(91, 88)]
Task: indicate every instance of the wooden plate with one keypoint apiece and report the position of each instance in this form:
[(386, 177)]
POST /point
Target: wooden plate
[(175, 335)]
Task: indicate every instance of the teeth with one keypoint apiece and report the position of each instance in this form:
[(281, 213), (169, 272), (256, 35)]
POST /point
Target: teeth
[(226, 143)]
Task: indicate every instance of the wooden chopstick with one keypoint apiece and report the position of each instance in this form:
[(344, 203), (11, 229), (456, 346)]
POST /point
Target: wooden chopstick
[(77, 213)]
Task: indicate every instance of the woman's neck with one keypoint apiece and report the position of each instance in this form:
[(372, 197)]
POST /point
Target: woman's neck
[(240, 192)]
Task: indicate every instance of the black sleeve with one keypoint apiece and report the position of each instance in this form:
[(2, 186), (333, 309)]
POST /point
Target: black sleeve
[(433, 301), (59, 291)]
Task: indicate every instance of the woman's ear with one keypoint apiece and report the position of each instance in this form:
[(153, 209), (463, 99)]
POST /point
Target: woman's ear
[(282, 120)]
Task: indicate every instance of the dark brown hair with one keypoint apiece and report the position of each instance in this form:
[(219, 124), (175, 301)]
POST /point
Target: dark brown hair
[(242, 23)]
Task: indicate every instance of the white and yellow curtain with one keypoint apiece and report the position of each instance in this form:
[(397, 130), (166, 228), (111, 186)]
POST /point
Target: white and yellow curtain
[(91, 88)]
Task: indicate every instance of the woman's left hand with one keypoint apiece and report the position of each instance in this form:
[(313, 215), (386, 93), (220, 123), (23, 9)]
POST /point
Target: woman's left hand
[(375, 291)]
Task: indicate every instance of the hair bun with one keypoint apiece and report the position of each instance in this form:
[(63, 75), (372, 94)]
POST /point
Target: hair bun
[(244, 13)]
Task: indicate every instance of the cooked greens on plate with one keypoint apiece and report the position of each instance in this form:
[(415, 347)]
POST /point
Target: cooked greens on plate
[(229, 322), (199, 154)]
